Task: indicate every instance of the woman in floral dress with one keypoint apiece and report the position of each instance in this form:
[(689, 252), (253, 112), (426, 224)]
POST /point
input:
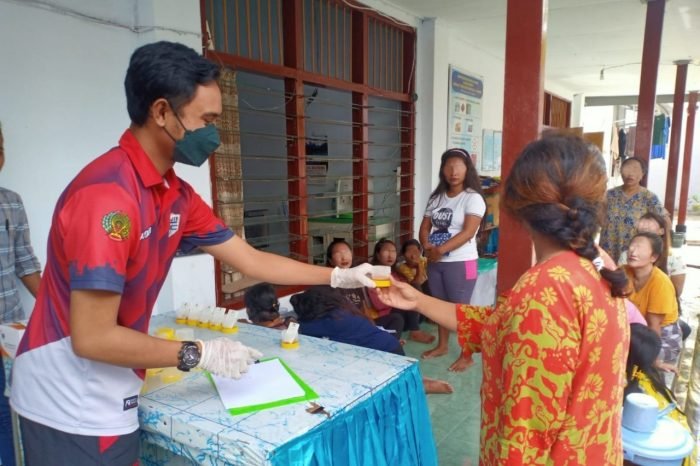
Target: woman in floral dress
[(554, 347), (626, 204)]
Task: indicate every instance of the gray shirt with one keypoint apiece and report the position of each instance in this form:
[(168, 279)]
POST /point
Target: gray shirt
[(17, 257)]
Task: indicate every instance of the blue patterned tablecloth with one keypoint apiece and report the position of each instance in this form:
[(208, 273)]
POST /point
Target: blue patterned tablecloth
[(379, 414)]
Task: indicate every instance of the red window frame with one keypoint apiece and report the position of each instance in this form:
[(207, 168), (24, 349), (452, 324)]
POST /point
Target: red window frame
[(292, 70)]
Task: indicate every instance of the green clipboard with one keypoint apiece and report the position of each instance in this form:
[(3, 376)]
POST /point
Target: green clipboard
[(309, 393)]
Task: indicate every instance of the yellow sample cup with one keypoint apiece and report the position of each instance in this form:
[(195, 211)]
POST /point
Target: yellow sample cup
[(292, 345), (170, 375), (380, 275), (166, 332), (381, 282)]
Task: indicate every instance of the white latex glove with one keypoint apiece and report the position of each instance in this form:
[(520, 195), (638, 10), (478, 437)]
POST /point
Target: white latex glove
[(226, 357), (355, 277)]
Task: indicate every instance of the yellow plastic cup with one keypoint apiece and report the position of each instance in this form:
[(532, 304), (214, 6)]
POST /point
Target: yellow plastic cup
[(382, 282), (292, 345), (230, 329), (166, 332), (380, 275), (170, 375)]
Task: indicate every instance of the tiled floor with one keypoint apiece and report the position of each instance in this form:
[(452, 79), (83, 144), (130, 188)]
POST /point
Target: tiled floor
[(455, 417)]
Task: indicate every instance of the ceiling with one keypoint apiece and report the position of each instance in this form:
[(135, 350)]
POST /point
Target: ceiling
[(583, 37)]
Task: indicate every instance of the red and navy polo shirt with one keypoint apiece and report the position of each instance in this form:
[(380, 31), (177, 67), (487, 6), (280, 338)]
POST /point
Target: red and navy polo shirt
[(116, 227)]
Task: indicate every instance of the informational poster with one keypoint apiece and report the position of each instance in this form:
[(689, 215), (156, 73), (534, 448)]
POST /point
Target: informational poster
[(491, 151), (464, 113)]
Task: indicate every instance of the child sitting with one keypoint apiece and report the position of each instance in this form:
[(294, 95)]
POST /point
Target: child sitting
[(385, 254), (263, 307), (414, 269), (323, 312), (339, 254)]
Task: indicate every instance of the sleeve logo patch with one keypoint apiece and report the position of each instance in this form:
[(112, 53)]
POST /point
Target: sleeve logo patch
[(174, 224), (117, 225)]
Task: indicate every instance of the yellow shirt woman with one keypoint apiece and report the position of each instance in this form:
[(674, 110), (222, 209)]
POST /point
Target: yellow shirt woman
[(657, 296)]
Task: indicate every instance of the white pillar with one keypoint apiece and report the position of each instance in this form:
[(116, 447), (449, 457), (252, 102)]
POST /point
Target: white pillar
[(577, 110), (425, 90)]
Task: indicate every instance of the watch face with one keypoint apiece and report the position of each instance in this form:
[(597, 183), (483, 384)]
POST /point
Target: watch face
[(190, 355)]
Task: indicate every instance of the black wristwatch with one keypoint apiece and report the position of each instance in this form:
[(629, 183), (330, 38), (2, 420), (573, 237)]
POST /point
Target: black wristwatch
[(188, 356)]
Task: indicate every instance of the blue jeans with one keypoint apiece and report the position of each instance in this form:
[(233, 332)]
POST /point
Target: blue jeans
[(7, 450)]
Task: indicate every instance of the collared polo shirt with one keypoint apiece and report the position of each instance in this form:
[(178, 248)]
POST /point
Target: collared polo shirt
[(116, 227)]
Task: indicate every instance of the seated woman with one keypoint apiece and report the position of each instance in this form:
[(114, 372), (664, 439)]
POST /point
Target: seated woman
[(654, 294), (339, 254), (323, 312), (643, 375), (671, 262), (385, 254), (263, 307)]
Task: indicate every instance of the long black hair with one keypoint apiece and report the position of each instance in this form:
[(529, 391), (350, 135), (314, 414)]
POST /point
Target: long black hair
[(321, 301), (261, 303), (408, 244), (471, 181), (657, 244), (660, 220), (378, 248), (331, 248), (645, 345)]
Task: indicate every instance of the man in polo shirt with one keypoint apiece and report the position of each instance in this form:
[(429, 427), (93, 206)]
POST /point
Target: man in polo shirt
[(115, 230)]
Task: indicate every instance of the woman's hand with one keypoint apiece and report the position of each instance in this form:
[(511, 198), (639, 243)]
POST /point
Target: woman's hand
[(433, 253), (608, 263), (421, 278), (666, 367), (399, 295), (421, 275)]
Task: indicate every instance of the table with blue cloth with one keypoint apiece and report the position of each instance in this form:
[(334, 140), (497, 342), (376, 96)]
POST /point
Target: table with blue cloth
[(377, 405)]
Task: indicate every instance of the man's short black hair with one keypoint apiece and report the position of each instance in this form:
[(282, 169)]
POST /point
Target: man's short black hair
[(164, 70)]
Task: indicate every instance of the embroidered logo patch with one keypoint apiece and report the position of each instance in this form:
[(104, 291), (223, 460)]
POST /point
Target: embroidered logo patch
[(174, 224), (117, 225), (131, 402)]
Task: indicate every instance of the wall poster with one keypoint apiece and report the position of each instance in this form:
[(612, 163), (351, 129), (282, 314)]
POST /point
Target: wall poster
[(464, 113)]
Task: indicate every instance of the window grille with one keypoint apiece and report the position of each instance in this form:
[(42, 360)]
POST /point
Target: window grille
[(317, 131)]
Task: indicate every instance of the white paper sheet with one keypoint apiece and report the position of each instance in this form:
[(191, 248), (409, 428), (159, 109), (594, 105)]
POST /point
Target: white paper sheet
[(265, 382)]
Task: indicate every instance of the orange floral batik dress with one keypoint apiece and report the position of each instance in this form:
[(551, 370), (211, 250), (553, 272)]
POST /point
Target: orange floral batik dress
[(554, 351)]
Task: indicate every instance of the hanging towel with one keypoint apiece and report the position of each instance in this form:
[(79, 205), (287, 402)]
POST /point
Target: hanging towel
[(659, 138), (622, 142)]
